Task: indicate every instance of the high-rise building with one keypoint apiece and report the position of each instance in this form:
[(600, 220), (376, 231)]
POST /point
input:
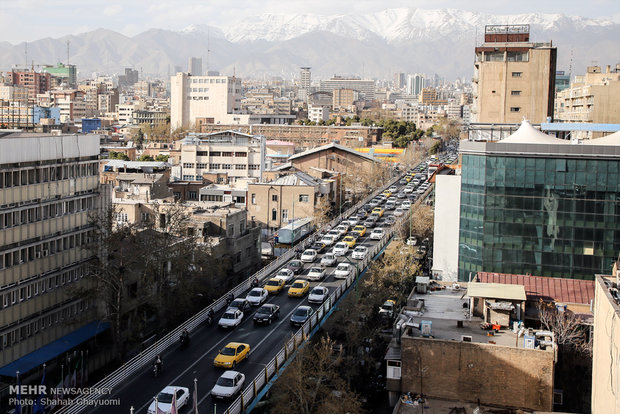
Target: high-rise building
[(513, 77), (64, 74), (415, 84), (562, 81), (128, 79), (399, 80), (46, 196), (535, 204), (365, 88), (194, 66), (35, 82), (305, 78)]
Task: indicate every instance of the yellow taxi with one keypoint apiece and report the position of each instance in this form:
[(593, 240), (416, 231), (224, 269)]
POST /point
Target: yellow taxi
[(350, 240), (274, 285), (299, 288), (378, 210), (408, 177), (361, 230), (231, 355), (387, 193)]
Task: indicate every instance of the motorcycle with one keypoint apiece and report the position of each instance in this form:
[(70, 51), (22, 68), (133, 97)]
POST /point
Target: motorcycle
[(255, 283), (209, 319), (156, 369), (184, 339)]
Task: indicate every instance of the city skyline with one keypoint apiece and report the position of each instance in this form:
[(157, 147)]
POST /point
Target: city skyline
[(72, 17)]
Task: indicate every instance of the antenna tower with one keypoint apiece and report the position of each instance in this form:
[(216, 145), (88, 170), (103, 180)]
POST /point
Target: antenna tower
[(68, 42)]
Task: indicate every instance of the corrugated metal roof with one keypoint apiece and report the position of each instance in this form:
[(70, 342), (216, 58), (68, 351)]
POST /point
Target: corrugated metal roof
[(297, 178), (546, 288), (136, 164), (496, 291), (328, 146)]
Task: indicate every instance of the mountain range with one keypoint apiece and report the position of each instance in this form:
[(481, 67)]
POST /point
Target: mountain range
[(376, 45)]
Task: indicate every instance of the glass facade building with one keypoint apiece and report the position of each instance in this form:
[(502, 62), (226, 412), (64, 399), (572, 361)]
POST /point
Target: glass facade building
[(547, 210)]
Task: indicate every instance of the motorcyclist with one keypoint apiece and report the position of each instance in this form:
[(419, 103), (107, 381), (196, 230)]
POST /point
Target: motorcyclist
[(158, 363), (230, 298), (184, 337), (210, 316), (255, 282)]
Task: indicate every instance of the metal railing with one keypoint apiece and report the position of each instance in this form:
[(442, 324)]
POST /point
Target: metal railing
[(138, 362)]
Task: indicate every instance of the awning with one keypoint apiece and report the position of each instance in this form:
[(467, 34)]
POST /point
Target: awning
[(53, 349)]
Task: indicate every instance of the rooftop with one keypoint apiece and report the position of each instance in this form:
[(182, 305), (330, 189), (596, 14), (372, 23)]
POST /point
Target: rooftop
[(330, 146), (496, 291)]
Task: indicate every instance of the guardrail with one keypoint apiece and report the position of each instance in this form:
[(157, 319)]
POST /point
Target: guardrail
[(138, 362)]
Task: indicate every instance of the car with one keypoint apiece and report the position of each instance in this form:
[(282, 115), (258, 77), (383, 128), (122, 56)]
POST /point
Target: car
[(242, 304), (378, 211), (318, 294), (301, 315), (257, 296), (231, 355), (350, 240), (390, 220), (328, 260), (232, 317), (361, 230), (405, 204), (165, 397), (401, 195), (377, 233), (403, 181), (343, 270), (374, 202), (308, 256), (267, 314), (399, 212), (316, 273), (342, 228), (370, 222), (328, 240), (335, 234), (353, 220), (274, 285), (318, 247), (387, 309), (228, 384), (285, 274), (387, 193), (340, 249), (362, 213), (390, 205), (359, 252), (412, 241), (408, 190), (299, 288), (296, 266), (393, 188)]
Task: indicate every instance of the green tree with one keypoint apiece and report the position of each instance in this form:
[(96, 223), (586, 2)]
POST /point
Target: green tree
[(118, 156), (145, 157), (140, 139), (162, 157)]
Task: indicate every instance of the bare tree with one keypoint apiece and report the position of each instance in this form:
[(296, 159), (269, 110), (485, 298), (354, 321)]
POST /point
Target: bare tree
[(567, 327), (421, 222)]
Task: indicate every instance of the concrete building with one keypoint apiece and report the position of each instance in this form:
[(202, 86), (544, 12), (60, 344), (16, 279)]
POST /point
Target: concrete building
[(232, 155), (446, 227), (535, 204), (13, 93), (605, 351), (399, 81), (45, 199), (365, 88), (64, 74), (344, 99), (333, 158), (194, 66), (591, 98), (128, 79), (305, 81), (35, 82), (415, 84), (513, 77), (318, 113)]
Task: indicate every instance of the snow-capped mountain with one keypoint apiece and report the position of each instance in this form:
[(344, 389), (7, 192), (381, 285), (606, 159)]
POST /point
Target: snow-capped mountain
[(372, 45)]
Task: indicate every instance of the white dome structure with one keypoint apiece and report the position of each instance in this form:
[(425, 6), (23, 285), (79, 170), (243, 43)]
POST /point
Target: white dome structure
[(611, 139), (527, 134)]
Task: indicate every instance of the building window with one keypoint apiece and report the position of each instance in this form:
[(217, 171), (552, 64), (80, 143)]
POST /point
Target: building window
[(517, 74), (215, 166), (274, 214), (144, 217), (227, 154), (239, 166), (274, 197), (216, 154), (303, 198), (188, 178), (254, 167), (253, 198), (284, 214), (515, 109), (227, 166), (231, 230), (192, 195), (515, 93), (241, 154)]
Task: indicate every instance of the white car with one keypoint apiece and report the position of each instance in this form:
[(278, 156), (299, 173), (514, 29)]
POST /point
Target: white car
[(308, 256), (408, 190), (231, 318), (393, 188), (340, 249), (342, 228), (377, 233), (285, 274), (318, 294), (412, 241), (328, 240), (359, 252), (257, 296), (399, 212), (405, 204), (164, 399), (343, 271), (335, 234), (316, 273), (228, 384), (328, 260), (353, 221)]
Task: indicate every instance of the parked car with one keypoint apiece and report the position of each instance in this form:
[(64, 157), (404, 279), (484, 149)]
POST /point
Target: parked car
[(316, 273), (340, 249), (232, 317), (242, 304), (318, 294), (412, 241), (328, 260), (285, 274), (228, 384), (231, 355), (165, 397), (308, 256), (274, 285), (296, 266), (343, 270), (257, 296), (267, 313), (299, 288), (359, 252), (301, 315), (377, 233)]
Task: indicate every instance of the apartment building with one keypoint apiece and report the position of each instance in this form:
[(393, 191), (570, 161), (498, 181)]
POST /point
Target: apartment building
[(513, 77), (365, 87), (35, 82), (45, 199)]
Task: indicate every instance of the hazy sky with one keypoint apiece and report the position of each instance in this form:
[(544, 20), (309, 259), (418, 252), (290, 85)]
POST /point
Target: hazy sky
[(27, 20)]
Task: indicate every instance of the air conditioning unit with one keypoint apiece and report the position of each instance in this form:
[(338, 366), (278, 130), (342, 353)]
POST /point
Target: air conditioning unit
[(46, 252), (466, 338), (37, 254)]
